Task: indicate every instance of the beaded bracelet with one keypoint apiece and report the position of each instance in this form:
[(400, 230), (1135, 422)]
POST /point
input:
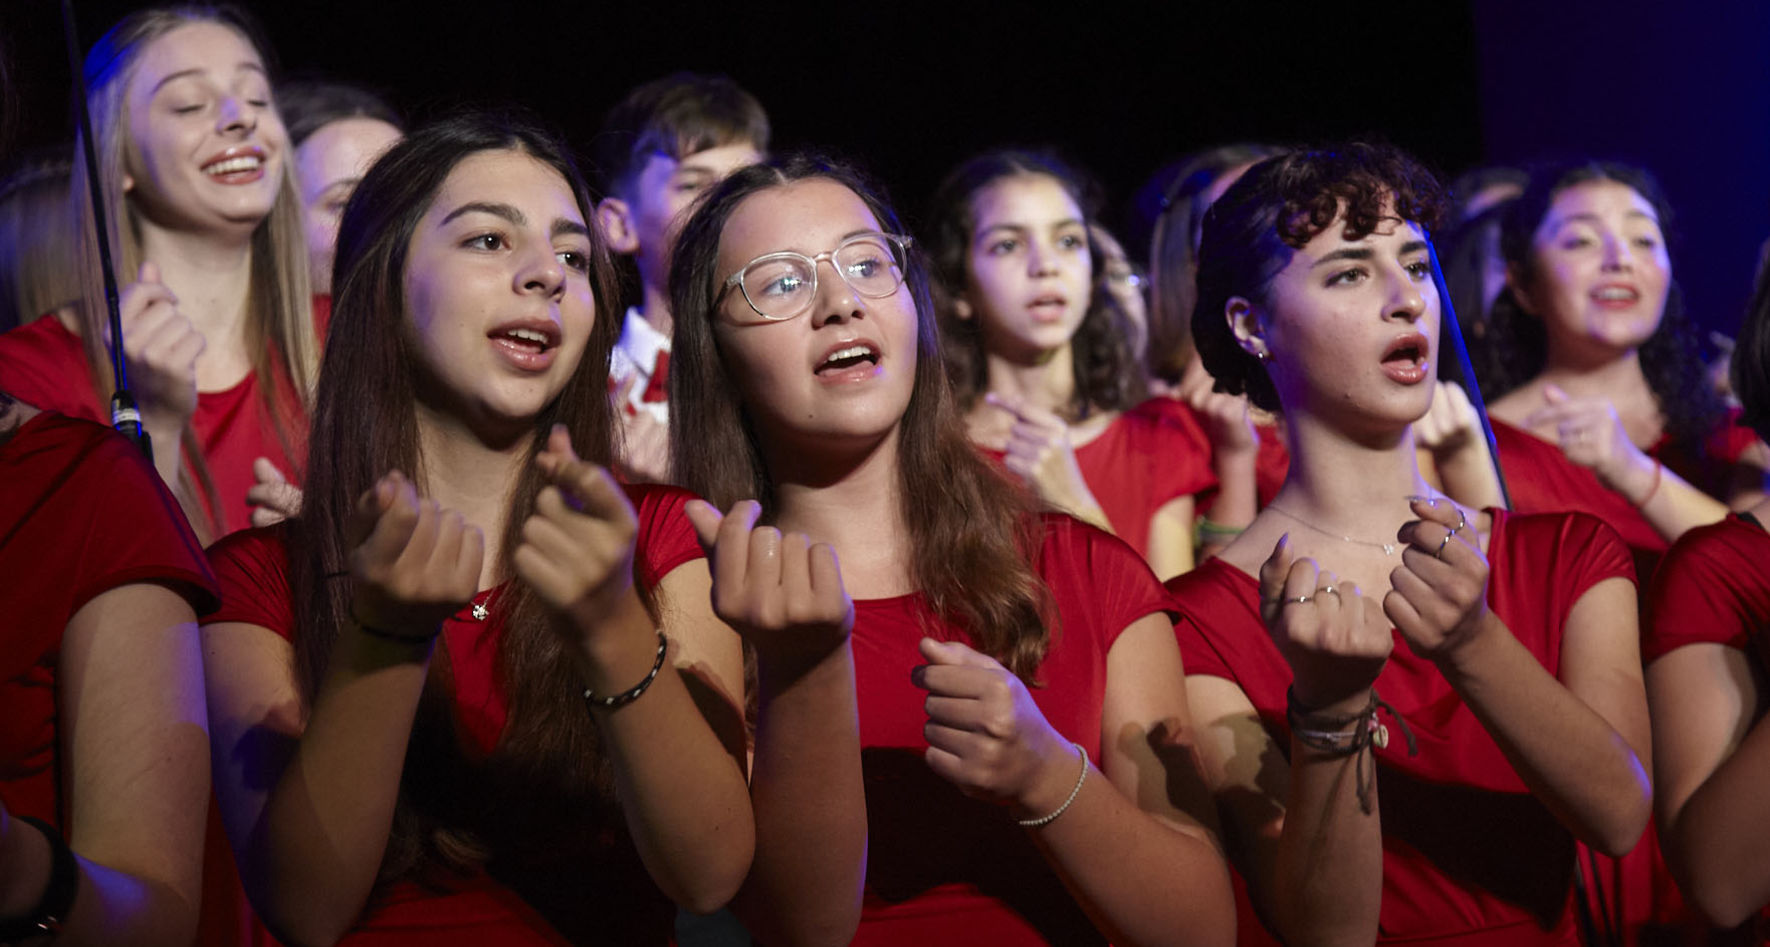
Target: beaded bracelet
[(631, 694), (1045, 819), (52, 909)]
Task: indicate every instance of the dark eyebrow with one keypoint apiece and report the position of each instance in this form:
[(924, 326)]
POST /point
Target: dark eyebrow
[(185, 73), (1366, 253), (483, 207), (563, 226), (1591, 218)]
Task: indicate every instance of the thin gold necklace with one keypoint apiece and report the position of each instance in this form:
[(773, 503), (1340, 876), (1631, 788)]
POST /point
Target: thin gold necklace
[(1387, 548)]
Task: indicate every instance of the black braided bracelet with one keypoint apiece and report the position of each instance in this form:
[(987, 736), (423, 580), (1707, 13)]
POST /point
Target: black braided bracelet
[(58, 898), (631, 694)]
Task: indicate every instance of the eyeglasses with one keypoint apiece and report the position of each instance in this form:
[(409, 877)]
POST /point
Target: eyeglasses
[(781, 286)]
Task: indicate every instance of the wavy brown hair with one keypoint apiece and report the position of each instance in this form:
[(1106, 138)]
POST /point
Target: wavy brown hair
[(973, 530), (545, 776), (1108, 376), (1276, 208), (280, 335)]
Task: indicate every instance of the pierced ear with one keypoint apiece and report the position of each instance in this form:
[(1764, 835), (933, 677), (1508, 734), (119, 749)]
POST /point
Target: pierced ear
[(615, 219), (1245, 324)]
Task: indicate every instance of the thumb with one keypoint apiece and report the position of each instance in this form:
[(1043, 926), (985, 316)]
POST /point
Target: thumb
[(955, 653), (1007, 403), (705, 519), (266, 472), (1553, 394), (1275, 569)]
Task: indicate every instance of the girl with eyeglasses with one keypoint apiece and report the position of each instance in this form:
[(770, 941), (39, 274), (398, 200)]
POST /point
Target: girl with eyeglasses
[(1409, 710), (1005, 666), (474, 692), (1042, 361)]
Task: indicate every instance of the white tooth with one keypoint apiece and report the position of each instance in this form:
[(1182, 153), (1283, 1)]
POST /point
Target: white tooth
[(853, 351), (528, 335), (242, 163)]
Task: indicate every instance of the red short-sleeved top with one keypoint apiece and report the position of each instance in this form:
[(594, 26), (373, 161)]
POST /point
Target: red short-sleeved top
[(44, 364), (1467, 851), (946, 869), (536, 888), (81, 512), (1149, 455), (1541, 479), (1713, 588)]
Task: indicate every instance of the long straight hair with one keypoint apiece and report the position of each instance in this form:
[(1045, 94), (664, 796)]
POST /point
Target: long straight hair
[(279, 309), (365, 423), (973, 531)]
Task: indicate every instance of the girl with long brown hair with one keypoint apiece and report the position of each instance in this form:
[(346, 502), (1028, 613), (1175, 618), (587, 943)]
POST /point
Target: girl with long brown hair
[(1003, 659), (474, 693)]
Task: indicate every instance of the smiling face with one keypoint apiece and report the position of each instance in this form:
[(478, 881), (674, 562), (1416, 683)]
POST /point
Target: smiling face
[(328, 165), (1599, 272), (843, 370), (206, 148), (1350, 327), (1031, 274), (498, 292)]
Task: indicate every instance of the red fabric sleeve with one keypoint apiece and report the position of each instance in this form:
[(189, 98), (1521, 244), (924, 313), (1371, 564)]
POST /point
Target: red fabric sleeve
[(666, 537), (1217, 612), (1097, 566), (44, 365), (1712, 588), (252, 567)]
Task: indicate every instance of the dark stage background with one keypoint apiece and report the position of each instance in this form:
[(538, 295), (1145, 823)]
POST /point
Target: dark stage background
[(910, 88)]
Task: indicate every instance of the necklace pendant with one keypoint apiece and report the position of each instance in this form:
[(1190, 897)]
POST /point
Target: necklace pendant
[(480, 611), (1388, 549)]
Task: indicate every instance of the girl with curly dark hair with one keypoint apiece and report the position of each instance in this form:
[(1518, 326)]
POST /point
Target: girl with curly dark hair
[(1599, 401), (1520, 681), (1042, 360)]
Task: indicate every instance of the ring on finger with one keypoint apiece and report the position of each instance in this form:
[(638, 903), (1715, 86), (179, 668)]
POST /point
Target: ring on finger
[(1439, 552), (1327, 588), (1297, 600)]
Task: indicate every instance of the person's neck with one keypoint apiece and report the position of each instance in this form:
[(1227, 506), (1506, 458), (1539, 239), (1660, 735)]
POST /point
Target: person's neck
[(852, 501), (211, 275), (1045, 380), (1350, 486), (1619, 379), (466, 473), (655, 307)]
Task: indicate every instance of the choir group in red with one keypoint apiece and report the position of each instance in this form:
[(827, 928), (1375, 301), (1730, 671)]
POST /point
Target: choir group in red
[(857, 585)]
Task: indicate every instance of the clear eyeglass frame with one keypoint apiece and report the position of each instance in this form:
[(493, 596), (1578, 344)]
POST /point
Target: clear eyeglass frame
[(898, 244)]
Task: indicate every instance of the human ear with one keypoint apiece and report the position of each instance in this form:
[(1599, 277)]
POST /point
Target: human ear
[(1516, 282), (615, 219), (1245, 324)]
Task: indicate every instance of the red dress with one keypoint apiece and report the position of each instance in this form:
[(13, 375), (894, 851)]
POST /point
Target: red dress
[(588, 887), (44, 364), (1469, 856), (1149, 455), (1714, 588), (81, 513), (946, 869)]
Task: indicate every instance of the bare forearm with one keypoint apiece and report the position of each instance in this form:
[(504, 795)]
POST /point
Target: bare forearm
[(1718, 844), (682, 791), (1666, 500), (1237, 492), (1141, 881), (111, 906), (1327, 877), (313, 860), (810, 803), (1574, 762)]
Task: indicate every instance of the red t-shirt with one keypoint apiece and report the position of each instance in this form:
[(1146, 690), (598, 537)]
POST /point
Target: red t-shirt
[(946, 869), (1542, 480), (1714, 588), (44, 364), (81, 513), (1467, 852), (535, 888), (1149, 455)]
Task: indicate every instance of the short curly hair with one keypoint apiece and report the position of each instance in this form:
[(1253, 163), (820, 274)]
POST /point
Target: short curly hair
[(1278, 206)]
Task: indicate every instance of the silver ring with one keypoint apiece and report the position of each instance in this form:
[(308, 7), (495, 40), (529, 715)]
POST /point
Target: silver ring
[(1462, 520), (1439, 553), (1299, 600), (1327, 588)]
